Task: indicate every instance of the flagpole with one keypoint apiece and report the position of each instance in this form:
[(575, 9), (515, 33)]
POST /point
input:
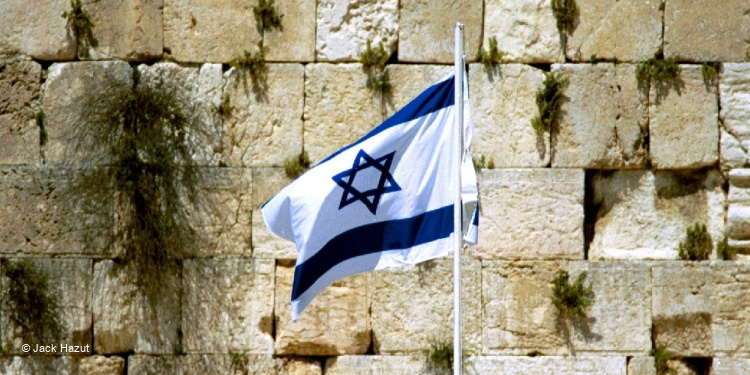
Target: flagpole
[(457, 206)]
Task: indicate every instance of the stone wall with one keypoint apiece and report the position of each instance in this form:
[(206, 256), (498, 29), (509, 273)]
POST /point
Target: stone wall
[(610, 190)]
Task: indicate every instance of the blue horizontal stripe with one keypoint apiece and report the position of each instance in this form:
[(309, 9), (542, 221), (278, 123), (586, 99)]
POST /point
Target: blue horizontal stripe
[(435, 98), (372, 238)]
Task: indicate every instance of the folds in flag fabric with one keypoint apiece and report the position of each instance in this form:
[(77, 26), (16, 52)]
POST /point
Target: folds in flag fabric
[(383, 201)]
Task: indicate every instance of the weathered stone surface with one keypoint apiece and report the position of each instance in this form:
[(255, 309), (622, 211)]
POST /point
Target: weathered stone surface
[(39, 365), (645, 215), (296, 41), (702, 31), (685, 334), (503, 106), (69, 287), (604, 120), (19, 133), (426, 29), (525, 30), (531, 214), (628, 30), (268, 182), (245, 364), (641, 366), (408, 81), (573, 365), (299, 367), (738, 211), (517, 315), (100, 365), (129, 30), (684, 127), (345, 26), (228, 306), (731, 366), (265, 125), (75, 94), (56, 211), (133, 318), (216, 31), (410, 307), (339, 108), (336, 322), (375, 365), (35, 28), (734, 90)]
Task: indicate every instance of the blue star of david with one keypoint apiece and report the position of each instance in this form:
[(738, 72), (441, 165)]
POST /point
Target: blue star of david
[(386, 184)]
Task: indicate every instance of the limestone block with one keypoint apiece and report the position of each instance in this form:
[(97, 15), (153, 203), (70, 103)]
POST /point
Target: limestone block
[(128, 30), (343, 28), (228, 306), (339, 108), (641, 366), (296, 41), (620, 319), (531, 214), (38, 365), (503, 106), (685, 334), (573, 365), (731, 366), (426, 29), (77, 98), (101, 365), (335, 323), (134, 314), (604, 121), (56, 212), (525, 30), (35, 28), (375, 365), (645, 215), (702, 31), (517, 315), (738, 212), (409, 81), (268, 182), (216, 31), (69, 287), (734, 90), (265, 125), (684, 129), (19, 133), (245, 364), (411, 307), (299, 367), (628, 30)]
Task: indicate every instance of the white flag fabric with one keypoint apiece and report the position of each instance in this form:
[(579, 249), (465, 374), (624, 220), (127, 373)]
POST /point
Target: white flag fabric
[(383, 201)]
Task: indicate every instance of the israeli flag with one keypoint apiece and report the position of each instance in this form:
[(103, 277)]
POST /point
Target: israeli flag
[(383, 201)]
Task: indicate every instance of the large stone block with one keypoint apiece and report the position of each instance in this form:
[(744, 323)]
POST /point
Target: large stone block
[(56, 212), (645, 215), (525, 30), (216, 31), (336, 322), (339, 108), (703, 31), (503, 106), (734, 91), (408, 81), (69, 291), (375, 365), (296, 40), (101, 365), (228, 306), (265, 124), (531, 214), (604, 121), (573, 365), (426, 29), (345, 26), (20, 82), (128, 30), (731, 366), (236, 363), (134, 312), (684, 126), (268, 182), (35, 28), (412, 307), (628, 30)]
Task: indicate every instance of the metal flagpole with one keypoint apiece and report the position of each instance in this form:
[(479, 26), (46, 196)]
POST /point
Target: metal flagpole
[(457, 206)]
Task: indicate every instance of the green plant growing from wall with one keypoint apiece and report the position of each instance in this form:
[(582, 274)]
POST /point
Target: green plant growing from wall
[(724, 251), (267, 15), (79, 21), (296, 166), (240, 362), (659, 71), (225, 108), (549, 100), (481, 162), (41, 119), (697, 244), (439, 355), (253, 63), (571, 300), (373, 63), (661, 360), (492, 56), (710, 72), (566, 15)]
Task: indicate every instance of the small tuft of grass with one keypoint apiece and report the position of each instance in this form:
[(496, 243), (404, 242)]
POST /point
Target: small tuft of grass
[(661, 360), (492, 56), (296, 166), (571, 300), (240, 362), (380, 82), (41, 119), (79, 20), (491, 164), (267, 15), (225, 108), (566, 14), (439, 355), (549, 100), (724, 251), (373, 58), (697, 244), (178, 349), (710, 71), (479, 162), (662, 71), (254, 63)]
